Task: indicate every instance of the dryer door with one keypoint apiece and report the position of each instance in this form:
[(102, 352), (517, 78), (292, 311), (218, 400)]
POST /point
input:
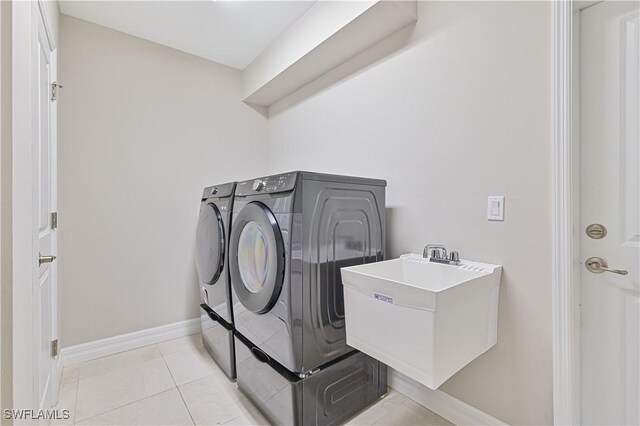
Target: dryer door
[(257, 251), (209, 244)]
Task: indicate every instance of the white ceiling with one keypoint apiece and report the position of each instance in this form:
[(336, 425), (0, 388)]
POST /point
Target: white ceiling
[(232, 33)]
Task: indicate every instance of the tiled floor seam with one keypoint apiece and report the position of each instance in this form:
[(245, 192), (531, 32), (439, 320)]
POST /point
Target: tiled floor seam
[(78, 364), (111, 371), (236, 417), (76, 420), (171, 374), (123, 405), (75, 402), (186, 406), (164, 359), (179, 391)]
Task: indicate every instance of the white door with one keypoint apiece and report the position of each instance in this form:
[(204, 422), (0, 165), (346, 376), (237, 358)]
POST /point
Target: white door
[(44, 285), (610, 196)]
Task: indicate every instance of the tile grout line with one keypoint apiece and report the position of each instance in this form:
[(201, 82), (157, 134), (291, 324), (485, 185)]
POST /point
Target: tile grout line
[(108, 356), (180, 391), (129, 403), (75, 402), (178, 388), (186, 406), (78, 363)]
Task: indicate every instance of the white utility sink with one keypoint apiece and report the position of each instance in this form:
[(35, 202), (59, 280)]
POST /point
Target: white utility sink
[(425, 319)]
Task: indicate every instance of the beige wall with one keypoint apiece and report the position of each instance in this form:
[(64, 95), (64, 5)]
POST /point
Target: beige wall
[(461, 113), (143, 128)]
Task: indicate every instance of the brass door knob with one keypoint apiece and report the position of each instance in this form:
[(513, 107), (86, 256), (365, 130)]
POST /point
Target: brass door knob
[(598, 265)]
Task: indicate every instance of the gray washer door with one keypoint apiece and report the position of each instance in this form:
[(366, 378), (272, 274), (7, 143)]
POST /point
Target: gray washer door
[(209, 244), (257, 267)]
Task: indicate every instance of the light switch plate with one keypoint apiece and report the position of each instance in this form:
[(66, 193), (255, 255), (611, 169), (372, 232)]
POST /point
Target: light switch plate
[(495, 207)]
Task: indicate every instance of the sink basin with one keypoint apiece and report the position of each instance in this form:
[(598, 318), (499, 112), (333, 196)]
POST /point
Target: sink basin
[(426, 320)]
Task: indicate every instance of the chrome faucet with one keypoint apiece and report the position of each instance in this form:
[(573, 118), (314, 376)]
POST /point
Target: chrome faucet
[(438, 253), (435, 250)]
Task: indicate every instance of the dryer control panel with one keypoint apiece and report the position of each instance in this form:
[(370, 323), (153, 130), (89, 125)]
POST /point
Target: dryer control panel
[(267, 185), (223, 190)]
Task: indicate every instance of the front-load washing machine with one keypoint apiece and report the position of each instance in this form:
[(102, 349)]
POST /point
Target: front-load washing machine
[(291, 235), (212, 254)]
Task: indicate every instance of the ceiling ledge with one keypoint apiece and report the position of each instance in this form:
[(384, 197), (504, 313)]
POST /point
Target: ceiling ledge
[(328, 35)]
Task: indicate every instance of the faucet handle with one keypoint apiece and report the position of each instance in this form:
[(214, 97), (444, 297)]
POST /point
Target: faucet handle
[(436, 251)]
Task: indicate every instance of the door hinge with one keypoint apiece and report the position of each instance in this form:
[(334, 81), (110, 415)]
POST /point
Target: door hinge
[(54, 90), (54, 348), (54, 220)]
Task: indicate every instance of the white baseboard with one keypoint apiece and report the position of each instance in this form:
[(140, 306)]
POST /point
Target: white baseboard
[(125, 342), (452, 409)]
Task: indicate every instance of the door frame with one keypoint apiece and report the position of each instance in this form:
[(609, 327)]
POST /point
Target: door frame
[(25, 16), (565, 250), (565, 218)]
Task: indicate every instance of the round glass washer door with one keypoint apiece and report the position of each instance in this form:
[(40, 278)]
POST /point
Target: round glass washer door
[(210, 244), (257, 267)]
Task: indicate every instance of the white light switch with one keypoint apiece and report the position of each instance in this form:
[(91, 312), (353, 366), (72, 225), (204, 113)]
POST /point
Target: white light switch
[(495, 207)]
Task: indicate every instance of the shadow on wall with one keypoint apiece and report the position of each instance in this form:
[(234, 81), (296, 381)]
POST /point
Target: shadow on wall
[(359, 63), (193, 280), (396, 243), (388, 48), (391, 213)]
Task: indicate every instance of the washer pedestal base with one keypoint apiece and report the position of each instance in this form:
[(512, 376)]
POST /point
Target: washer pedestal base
[(217, 338), (327, 397)]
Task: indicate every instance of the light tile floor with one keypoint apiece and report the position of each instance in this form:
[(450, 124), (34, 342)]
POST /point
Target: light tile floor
[(177, 383)]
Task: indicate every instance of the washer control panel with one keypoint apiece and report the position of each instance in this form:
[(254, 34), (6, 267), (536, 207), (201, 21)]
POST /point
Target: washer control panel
[(218, 191), (267, 185)]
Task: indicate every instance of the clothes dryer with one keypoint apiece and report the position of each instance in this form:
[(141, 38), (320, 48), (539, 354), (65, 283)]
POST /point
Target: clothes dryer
[(212, 254)]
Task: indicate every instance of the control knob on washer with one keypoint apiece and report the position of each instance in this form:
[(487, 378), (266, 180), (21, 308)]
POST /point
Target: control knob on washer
[(257, 185)]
